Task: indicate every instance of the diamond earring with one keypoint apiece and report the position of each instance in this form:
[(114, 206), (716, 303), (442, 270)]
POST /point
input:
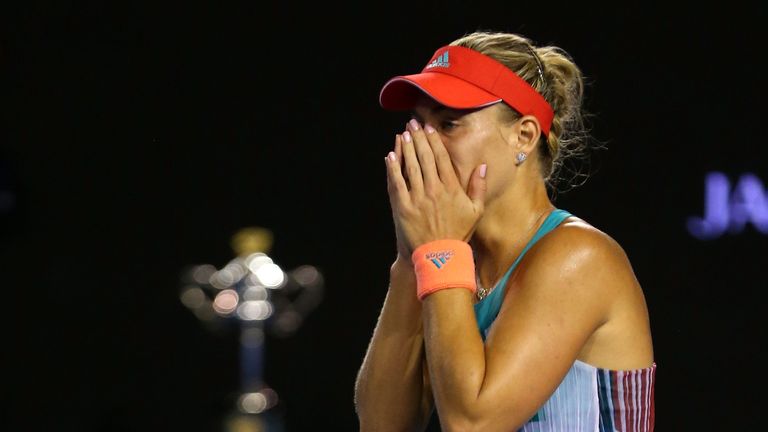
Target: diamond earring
[(521, 158)]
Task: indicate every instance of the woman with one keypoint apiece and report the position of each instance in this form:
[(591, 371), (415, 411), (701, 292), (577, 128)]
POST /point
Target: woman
[(503, 312)]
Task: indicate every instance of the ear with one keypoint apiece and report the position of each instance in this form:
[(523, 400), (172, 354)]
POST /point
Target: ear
[(528, 133)]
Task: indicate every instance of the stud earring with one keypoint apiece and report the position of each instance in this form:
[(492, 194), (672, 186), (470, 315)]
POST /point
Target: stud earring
[(521, 158)]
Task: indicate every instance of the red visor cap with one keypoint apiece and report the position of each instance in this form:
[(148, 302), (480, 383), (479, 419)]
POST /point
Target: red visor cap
[(462, 78), (401, 92)]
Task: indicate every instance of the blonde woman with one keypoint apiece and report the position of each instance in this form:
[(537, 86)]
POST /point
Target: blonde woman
[(504, 312)]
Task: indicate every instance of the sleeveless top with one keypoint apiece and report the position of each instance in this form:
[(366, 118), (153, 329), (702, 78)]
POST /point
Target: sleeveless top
[(589, 399)]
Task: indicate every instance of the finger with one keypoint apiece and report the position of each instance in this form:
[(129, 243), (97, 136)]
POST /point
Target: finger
[(478, 187), (411, 162), (425, 155), (398, 189), (443, 161), (399, 156), (398, 147)]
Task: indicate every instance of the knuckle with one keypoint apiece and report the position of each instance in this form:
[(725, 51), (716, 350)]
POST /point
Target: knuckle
[(413, 171), (426, 155), (408, 211), (431, 190)]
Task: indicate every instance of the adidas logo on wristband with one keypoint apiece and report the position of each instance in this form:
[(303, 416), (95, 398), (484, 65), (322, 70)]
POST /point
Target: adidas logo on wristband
[(439, 258)]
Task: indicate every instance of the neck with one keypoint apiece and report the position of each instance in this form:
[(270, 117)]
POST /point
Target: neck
[(508, 223)]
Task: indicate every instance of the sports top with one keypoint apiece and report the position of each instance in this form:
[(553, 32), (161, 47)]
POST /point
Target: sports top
[(589, 398)]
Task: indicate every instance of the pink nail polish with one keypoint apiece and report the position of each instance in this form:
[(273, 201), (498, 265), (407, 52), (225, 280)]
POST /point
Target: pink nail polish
[(429, 129), (414, 124), (483, 169), (407, 136), (392, 156)]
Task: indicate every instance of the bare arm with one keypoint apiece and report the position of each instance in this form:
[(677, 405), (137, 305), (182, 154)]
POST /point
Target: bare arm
[(391, 392), (544, 321)]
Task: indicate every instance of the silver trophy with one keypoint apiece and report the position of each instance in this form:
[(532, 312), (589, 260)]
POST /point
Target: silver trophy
[(260, 298)]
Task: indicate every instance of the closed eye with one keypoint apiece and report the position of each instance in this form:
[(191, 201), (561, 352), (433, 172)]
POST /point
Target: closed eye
[(448, 125)]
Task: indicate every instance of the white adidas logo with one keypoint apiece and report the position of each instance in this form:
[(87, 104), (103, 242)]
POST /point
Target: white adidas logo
[(441, 61)]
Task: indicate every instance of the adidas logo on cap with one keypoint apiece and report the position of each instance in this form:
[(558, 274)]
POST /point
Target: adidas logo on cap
[(440, 61)]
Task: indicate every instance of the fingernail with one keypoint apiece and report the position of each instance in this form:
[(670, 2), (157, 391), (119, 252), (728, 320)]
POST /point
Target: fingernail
[(392, 156), (414, 124), (407, 136), (429, 129), (483, 168)]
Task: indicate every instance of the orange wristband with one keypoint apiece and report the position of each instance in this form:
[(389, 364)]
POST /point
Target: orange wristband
[(441, 264)]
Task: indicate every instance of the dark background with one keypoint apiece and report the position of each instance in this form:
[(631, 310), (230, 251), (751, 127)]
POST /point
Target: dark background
[(137, 138)]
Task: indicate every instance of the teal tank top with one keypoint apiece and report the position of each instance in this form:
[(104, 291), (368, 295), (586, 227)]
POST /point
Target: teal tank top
[(488, 308), (589, 399)]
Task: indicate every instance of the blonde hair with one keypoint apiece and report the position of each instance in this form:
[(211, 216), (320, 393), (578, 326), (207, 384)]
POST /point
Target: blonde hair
[(552, 72)]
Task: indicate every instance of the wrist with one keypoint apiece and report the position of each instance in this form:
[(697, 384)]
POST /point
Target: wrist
[(402, 277), (442, 264), (402, 264)]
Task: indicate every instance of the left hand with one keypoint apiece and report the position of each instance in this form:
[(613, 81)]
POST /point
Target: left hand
[(434, 205)]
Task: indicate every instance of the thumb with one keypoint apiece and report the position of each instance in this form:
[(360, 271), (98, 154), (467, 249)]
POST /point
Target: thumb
[(478, 186)]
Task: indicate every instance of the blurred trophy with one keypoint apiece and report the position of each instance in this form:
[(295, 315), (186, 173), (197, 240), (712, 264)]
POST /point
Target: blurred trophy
[(260, 298)]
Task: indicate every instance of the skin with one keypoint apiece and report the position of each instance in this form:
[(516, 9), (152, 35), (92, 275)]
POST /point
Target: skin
[(573, 296)]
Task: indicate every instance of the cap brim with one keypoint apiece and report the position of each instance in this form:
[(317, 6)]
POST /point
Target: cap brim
[(402, 92)]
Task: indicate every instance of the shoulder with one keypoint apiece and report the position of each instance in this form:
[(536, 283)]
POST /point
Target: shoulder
[(579, 244), (580, 258)]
